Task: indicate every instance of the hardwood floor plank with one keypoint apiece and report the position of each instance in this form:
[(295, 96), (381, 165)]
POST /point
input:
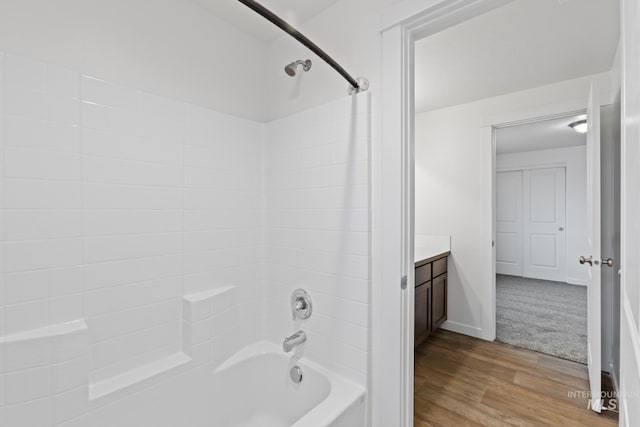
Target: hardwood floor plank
[(452, 363), (417, 422), (438, 416), (570, 410), (528, 410), (433, 380), (553, 388), (478, 413), (563, 366), (460, 380)]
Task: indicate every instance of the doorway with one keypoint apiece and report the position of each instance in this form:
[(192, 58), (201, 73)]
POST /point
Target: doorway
[(468, 164), (540, 231)]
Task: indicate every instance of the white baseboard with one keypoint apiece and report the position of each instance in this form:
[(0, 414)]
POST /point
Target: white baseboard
[(574, 281), (461, 328)]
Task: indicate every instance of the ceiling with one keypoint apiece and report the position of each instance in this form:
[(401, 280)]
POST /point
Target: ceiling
[(525, 44), (542, 135), (294, 12)]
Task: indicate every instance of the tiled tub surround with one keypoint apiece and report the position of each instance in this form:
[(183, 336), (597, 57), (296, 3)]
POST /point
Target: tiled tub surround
[(135, 229), (317, 209)]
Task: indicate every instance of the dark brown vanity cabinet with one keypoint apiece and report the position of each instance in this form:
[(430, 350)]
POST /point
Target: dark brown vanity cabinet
[(430, 296), (422, 312), (439, 301)]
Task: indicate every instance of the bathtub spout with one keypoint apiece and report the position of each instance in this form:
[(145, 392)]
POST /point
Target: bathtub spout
[(293, 341)]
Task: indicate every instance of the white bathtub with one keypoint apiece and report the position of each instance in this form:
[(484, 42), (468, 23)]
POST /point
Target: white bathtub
[(250, 389), (255, 390)]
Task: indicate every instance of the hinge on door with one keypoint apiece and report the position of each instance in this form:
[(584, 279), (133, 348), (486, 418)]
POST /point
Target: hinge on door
[(403, 282)]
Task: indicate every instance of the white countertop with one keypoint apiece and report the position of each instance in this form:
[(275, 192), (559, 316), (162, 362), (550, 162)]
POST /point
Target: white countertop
[(429, 245)]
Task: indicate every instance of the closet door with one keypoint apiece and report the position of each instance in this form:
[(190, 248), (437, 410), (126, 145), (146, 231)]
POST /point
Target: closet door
[(544, 224), (509, 225)]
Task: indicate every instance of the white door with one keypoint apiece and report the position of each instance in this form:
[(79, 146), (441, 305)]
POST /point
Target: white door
[(544, 224), (593, 257), (509, 225), (629, 225)]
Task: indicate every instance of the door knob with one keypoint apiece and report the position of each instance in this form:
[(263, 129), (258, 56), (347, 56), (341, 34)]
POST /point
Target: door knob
[(608, 262), (584, 260)]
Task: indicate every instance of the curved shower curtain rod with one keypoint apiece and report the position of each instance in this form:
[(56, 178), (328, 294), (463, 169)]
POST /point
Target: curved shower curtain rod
[(357, 85)]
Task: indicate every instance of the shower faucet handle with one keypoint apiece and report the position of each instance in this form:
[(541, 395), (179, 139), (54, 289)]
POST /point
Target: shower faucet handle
[(301, 306)]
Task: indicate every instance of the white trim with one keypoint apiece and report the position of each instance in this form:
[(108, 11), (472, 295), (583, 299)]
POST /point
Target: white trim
[(532, 115), (392, 203), (578, 282), (489, 232), (388, 365), (428, 17), (532, 167), (462, 328)]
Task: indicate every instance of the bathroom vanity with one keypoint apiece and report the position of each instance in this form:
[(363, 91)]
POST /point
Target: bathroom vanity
[(430, 288)]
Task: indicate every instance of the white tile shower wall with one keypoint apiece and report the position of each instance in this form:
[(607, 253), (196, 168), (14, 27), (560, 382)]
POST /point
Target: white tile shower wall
[(42, 250), (222, 193), (131, 141), (114, 203), (317, 193)]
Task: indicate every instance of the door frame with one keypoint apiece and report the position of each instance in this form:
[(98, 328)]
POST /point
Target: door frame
[(392, 215), (489, 128), (629, 246)]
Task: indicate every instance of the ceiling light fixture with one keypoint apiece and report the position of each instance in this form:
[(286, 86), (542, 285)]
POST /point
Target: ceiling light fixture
[(579, 126)]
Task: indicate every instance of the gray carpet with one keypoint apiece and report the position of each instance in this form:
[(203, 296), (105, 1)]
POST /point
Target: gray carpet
[(540, 315)]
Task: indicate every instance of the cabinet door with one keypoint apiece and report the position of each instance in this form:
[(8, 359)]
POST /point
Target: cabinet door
[(422, 313), (423, 274), (439, 301)]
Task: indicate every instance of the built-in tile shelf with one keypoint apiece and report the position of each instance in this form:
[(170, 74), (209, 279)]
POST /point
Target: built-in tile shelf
[(203, 317), (199, 306), (54, 331), (142, 374), (42, 368)]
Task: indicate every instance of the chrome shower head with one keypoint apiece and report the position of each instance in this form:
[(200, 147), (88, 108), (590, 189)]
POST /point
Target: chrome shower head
[(291, 68)]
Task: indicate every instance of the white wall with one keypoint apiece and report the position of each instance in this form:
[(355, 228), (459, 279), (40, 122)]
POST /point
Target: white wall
[(349, 31), (173, 48), (180, 50), (116, 204), (452, 184), (575, 161), (317, 195)]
